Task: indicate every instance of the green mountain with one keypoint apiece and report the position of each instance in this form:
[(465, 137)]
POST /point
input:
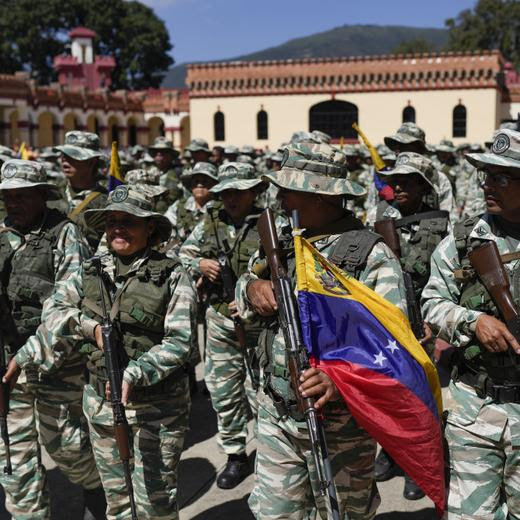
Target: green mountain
[(348, 40)]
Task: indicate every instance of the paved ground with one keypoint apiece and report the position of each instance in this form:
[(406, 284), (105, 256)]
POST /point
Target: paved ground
[(199, 497)]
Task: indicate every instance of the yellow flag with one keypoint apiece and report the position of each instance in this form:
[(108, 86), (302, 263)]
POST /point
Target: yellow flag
[(376, 158), (115, 177), (24, 154)]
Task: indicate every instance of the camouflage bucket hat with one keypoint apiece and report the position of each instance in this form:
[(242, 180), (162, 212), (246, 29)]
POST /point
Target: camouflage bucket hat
[(315, 168), (408, 163), (242, 158), (17, 173), (277, 157), (446, 146), (141, 177), (321, 137), (231, 149), (201, 168), (236, 176), (161, 143), (504, 152), (198, 145), (408, 133), (134, 201), (351, 151), (247, 149), (8, 152), (80, 146)]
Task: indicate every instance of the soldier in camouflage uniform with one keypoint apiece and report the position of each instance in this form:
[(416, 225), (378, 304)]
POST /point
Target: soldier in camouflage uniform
[(199, 151), (484, 395), (411, 138), (153, 306), (38, 247), (79, 162), (164, 155), (231, 230), (420, 228), (231, 153), (313, 181)]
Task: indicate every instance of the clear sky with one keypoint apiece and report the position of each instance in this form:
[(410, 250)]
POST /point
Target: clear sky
[(203, 30)]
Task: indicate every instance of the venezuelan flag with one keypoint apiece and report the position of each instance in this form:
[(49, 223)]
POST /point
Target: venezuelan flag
[(115, 178), (366, 346)]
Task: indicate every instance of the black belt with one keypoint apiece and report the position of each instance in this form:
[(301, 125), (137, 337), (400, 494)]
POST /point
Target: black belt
[(502, 392), (145, 393)]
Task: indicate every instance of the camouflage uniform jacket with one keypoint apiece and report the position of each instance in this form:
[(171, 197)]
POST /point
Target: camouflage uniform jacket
[(382, 273), (63, 320), (456, 324), (194, 215), (69, 252)]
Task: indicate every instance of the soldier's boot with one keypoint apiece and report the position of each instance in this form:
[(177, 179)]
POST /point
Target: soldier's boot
[(385, 467), (411, 490), (95, 504), (236, 470)]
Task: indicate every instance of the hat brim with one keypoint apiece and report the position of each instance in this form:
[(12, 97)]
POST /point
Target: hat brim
[(397, 139), (445, 149), (298, 180), (175, 152), (77, 152), (236, 184), (197, 149), (164, 226), (17, 184), (404, 169), (190, 173), (483, 160)]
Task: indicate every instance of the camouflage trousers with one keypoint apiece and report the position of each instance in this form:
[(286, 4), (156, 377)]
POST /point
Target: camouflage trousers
[(228, 382), (285, 484), (483, 441), (46, 412), (157, 430)]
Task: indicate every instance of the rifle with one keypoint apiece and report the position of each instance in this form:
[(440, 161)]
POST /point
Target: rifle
[(229, 280), (386, 228), (488, 265), (114, 375), (298, 359), (4, 408)]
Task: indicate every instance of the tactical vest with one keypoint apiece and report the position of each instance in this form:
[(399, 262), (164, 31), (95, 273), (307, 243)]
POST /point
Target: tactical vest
[(238, 250), (138, 310), (29, 279), (350, 254), (502, 366), (433, 227), (186, 220)]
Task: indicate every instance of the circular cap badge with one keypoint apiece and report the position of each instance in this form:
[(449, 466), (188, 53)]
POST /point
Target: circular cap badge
[(403, 159), (120, 194), (9, 171), (501, 144)]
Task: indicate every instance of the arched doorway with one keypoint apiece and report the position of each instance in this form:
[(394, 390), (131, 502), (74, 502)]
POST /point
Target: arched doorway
[(185, 131), (93, 124), (132, 131), (335, 118), (113, 130), (155, 128), (47, 130), (70, 122)]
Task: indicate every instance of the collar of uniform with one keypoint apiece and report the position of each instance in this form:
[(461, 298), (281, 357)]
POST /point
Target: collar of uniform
[(109, 264)]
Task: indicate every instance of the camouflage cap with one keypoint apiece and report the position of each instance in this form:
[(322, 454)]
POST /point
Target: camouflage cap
[(137, 149), (202, 168), (198, 145), (385, 153), (236, 176), (315, 168), (49, 153), (350, 150), (242, 158), (161, 143), (5, 150), (321, 137), (408, 133), (277, 157), (80, 146), (411, 162), (301, 136), (17, 173), (231, 149), (446, 146), (247, 149), (504, 152), (134, 201), (141, 176)]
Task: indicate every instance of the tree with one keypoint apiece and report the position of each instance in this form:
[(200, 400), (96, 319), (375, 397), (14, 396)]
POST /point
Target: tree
[(34, 32), (491, 24), (414, 46)]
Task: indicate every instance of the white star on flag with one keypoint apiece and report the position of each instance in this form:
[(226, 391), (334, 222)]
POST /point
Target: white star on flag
[(392, 346), (379, 359)]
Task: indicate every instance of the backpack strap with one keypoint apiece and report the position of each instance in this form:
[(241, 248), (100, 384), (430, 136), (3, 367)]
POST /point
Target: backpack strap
[(417, 217)]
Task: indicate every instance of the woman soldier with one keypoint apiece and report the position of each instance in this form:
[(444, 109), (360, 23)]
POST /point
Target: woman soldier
[(219, 249), (152, 304)]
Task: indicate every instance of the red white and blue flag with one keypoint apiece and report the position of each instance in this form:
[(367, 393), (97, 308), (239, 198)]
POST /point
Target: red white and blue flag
[(366, 346)]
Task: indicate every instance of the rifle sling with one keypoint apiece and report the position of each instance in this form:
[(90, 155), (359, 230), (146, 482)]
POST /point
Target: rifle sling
[(83, 204), (417, 217), (461, 274)]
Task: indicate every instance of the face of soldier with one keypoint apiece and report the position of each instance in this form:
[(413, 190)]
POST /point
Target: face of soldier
[(217, 156), (127, 234), (502, 194), (408, 191), (78, 172), (25, 206), (163, 159), (238, 203), (200, 156), (200, 186)]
